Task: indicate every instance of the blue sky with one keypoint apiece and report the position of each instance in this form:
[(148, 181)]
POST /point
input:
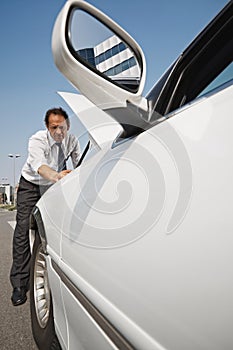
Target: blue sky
[(29, 79)]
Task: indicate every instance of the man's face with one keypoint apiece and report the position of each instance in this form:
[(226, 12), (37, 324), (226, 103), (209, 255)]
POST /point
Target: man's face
[(57, 127)]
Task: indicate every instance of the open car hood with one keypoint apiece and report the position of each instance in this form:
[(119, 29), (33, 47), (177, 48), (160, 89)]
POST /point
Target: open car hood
[(100, 126)]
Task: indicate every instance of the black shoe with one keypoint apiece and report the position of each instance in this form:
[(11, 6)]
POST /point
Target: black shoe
[(19, 296)]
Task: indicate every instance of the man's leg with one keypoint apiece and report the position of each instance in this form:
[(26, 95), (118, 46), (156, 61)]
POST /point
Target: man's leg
[(27, 196)]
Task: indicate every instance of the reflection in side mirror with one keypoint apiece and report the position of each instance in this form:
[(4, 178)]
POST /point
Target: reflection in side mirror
[(99, 48)]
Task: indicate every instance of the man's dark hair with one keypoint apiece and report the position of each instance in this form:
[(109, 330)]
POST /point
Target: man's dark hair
[(58, 111)]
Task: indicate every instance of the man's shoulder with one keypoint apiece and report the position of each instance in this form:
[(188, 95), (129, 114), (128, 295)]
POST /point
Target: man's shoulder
[(72, 139), (40, 135)]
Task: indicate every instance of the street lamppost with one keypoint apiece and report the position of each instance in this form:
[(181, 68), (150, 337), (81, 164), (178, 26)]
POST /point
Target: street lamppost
[(14, 156)]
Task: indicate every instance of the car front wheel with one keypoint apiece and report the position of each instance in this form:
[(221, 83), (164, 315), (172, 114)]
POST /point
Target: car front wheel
[(41, 302)]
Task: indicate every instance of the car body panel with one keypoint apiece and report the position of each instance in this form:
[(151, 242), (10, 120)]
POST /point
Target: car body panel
[(180, 266), (60, 315), (140, 249)]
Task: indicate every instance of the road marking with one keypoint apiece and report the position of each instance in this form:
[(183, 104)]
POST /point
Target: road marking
[(12, 224)]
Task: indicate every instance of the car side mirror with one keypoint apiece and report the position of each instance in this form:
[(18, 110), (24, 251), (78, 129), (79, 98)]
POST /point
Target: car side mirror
[(103, 51), (101, 60)]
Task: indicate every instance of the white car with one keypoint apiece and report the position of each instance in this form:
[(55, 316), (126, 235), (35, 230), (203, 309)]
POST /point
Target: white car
[(133, 249)]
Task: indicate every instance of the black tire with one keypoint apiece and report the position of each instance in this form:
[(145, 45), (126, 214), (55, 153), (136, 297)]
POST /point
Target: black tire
[(40, 298)]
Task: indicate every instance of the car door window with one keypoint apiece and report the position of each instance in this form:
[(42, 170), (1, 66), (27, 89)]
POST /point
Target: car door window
[(203, 65), (224, 77)]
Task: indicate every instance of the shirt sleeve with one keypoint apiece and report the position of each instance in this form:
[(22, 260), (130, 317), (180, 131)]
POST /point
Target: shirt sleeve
[(37, 149)]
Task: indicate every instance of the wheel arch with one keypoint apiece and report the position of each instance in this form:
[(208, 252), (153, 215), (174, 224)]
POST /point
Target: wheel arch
[(37, 227)]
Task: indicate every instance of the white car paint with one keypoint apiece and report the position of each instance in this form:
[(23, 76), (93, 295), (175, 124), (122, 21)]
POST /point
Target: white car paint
[(144, 228), (191, 264)]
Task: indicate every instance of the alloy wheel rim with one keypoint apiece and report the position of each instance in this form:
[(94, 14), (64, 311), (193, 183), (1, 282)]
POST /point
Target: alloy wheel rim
[(41, 289)]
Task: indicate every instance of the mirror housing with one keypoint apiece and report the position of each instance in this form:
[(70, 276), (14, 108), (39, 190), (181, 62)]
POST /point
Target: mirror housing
[(97, 87)]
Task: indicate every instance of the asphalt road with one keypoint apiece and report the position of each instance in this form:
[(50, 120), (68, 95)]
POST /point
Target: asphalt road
[(15, 324)]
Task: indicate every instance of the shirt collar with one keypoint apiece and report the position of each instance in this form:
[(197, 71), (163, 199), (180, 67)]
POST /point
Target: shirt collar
[(52, 141)]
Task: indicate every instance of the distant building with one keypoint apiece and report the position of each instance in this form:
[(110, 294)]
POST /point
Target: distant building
[(6, 194), (88, 55), (113, 58)]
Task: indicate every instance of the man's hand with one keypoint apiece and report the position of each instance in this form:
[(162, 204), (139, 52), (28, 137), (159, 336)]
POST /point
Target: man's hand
[(63, 173), (49, 174)]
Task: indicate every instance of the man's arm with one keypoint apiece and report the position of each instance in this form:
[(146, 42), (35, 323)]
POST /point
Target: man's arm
[(52, 175)]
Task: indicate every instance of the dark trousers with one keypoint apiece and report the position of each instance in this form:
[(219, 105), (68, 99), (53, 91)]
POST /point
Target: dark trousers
[(27, 196)]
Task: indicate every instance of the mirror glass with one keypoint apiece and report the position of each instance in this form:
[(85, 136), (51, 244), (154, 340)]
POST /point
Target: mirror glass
[(99, 47)]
